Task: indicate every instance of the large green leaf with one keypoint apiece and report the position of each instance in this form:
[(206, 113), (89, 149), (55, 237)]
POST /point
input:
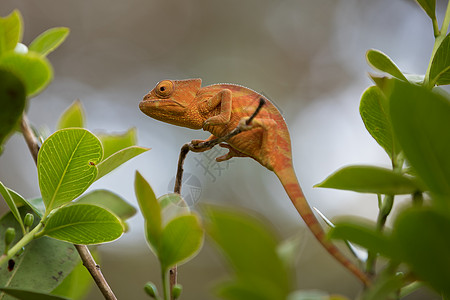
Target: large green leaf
[(22, 294), (440, 67), (72, 117), (369, 179), (422, 238), (77, 284), (251, 248), (117, 159), (421, 119), (380, 61), (12, 102), (429, 6), (374, 113), (83, 224), (11, 204), (34, 70), (150, 210), (110, 201), (44, 263), (67, 165), (49, 40), (10, 31)]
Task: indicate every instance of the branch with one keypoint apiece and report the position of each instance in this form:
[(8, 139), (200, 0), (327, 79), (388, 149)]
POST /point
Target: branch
[(96, 273), (30, 138), (204, 145), (83, 251)]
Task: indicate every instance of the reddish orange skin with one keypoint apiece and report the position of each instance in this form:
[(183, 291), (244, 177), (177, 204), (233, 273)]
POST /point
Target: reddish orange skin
[(185, 103)]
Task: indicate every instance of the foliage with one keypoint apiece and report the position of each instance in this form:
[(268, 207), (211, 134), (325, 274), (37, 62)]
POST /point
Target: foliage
[(406, 114), (41, 231), (173, 232), (409, 120)]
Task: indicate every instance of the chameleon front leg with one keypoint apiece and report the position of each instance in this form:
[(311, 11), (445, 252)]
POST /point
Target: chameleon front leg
[(223, 98), (195, 144)]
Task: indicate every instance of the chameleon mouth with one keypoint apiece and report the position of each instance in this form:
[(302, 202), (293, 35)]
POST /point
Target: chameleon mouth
[(149, 105), (159, 102)]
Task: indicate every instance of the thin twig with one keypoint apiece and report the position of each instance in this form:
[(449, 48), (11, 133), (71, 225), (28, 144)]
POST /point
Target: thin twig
[(96, 273), (30, 138), (179, 177), (85, 255)]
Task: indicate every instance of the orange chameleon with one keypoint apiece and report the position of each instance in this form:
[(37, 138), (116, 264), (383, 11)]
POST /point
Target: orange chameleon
[(219, 109)]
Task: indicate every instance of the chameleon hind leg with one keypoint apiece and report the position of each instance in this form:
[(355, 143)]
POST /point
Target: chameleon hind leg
[(269, 140), (231, 153)]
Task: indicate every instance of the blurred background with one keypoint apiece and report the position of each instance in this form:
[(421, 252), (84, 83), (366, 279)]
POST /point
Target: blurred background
[(307, 56)]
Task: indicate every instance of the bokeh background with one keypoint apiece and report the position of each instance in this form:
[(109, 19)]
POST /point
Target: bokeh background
[(307, 56)]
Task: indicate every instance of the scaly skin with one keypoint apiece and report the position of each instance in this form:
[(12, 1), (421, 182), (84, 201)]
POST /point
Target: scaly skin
[(220, 108)]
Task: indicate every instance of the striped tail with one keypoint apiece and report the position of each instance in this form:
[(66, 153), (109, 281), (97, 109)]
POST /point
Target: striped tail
[(290, 183)]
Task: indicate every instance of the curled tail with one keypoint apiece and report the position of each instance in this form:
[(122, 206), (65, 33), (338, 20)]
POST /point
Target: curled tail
[(289, 181)]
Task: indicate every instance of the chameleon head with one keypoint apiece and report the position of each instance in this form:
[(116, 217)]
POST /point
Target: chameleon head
[(171, 102)]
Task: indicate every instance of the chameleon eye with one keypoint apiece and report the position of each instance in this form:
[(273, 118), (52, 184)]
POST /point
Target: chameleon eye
[(164, 89)]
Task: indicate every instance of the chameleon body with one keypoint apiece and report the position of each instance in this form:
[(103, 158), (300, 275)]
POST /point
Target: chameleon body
[(219, 109)]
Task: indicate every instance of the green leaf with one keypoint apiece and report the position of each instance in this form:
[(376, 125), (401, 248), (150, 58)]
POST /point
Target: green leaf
[(420, 118), (385, 287), (241, 290), (110, 201), (78, 283), (117, 159), (113, 143), (440, 67), (12, 102), (11, 204), (374, 113), (422, 238), (67, 165), (363, 233), (83, 224), (49, 40), (36, 204), (181, 239), (10, 31), (44, 263), (238, 235), (72, 117), (380, 61), (172, 206), (369, 179), (30, 295), (34, 70), (150, 210), (314, 295), (429, 6)]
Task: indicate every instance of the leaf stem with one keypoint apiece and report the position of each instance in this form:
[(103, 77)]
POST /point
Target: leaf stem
[(385, 207), (27, 238), (166, 290), (410, 288)]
